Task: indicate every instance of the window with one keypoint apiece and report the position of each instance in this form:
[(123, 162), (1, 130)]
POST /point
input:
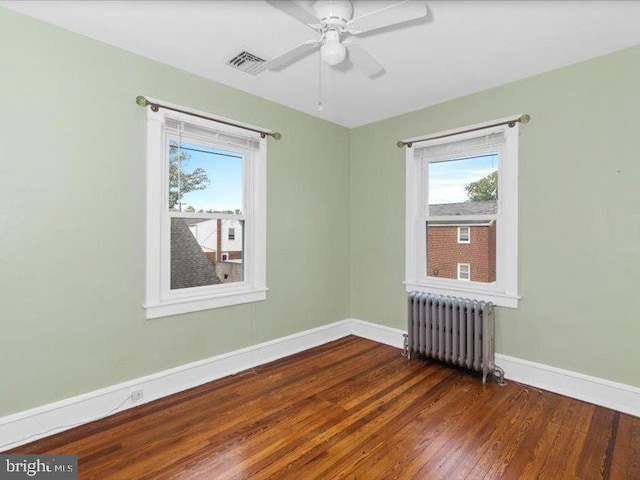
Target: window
[(457, 184), (464, 271), (464, 234), (204, 179)]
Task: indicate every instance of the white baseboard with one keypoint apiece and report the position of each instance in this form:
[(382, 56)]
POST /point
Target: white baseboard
[(29, 425), (377, 333), (617, 396)]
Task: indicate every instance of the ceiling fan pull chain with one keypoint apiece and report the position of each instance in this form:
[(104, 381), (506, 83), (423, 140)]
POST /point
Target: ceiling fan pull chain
[(320, 106)]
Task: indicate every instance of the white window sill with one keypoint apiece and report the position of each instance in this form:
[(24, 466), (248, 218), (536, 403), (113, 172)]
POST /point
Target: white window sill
[(500, 299), (195, 304)]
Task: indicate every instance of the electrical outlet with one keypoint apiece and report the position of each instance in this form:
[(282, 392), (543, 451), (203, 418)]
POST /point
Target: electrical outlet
[(137, 395)]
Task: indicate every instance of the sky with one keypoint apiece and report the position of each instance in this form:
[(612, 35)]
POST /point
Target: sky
[(224, 170), (448, 179)]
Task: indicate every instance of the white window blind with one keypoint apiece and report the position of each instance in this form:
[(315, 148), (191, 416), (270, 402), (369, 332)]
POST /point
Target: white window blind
[(197, 133), (453, 148)]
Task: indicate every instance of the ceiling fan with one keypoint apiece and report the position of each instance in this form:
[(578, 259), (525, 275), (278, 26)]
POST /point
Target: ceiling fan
[(333, 19)]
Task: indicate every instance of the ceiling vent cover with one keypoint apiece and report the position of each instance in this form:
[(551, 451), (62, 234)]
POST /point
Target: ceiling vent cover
[(247, 62)]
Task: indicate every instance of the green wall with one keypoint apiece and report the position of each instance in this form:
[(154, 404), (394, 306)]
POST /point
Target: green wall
[(72, 222), (579, 244), (72, 219)]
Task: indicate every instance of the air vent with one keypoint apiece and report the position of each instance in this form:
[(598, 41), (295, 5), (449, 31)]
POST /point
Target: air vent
[(247, 62)]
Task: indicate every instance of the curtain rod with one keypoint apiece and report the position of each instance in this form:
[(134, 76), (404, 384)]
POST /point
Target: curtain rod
[(143, 102), (512, 123)]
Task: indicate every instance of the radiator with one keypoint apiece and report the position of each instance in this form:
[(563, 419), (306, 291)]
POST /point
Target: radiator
[(454, 330)]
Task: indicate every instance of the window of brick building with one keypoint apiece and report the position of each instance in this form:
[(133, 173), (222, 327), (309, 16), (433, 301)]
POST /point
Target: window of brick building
[(464, 234), (464, 271), (459, 186)]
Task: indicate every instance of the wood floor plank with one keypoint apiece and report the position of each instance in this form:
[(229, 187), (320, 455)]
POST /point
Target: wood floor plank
[(625, 461), (355, 409), (592, 461)]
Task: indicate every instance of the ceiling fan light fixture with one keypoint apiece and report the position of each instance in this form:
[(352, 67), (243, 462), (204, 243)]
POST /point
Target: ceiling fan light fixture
[(334, 20), (332, 51)]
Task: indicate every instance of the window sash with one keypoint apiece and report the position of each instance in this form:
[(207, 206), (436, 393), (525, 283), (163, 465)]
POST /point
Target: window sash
[(423, 277), (424, 187), (244, 152)]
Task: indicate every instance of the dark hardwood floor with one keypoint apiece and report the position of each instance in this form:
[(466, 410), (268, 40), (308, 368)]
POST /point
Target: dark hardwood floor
[(356, 409)]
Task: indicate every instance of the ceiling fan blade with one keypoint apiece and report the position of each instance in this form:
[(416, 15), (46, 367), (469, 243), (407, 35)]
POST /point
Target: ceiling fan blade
[(362, 60), (290, 56), (296, 11), (391, 15)]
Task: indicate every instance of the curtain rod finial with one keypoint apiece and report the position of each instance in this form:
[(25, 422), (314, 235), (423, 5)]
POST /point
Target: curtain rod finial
[(140, 100), (276, 135), (400, 144), (525, 118)]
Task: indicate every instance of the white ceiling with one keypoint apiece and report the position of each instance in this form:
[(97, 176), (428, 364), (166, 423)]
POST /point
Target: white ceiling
[(460, 48)]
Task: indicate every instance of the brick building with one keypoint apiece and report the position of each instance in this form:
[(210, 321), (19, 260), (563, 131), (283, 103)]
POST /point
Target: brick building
[(463, 250)]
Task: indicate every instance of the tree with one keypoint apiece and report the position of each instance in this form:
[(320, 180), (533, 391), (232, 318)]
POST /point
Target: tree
[(181, 182), (190, 209), (483, 190)]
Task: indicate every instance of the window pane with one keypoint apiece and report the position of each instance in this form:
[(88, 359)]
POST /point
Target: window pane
[(463, 271), (204, 179), (202, 253), (444, 252), (463, 234), (464, 186)]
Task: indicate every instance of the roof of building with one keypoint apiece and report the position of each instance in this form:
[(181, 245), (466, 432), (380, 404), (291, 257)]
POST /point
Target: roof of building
[(464, 208), (190, 266)]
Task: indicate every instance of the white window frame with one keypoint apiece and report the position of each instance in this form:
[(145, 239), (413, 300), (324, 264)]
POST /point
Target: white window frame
[(468, 265), (468, 240), (160, 300), (230, 232), (502, 292)]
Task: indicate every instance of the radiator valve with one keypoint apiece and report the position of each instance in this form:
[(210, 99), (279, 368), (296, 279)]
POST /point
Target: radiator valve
[(405, 348)]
